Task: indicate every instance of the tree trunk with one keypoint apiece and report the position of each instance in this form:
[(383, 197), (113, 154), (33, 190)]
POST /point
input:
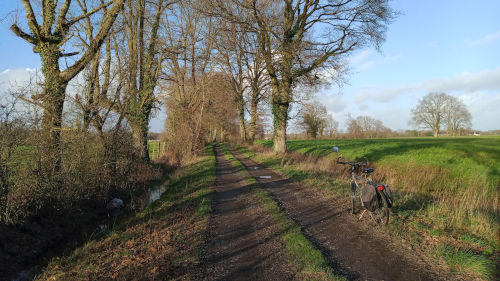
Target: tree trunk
[(53, 103), (437, 125), (140, 136), (253, 121), (241, 114), (436, 128), (279, 139), (280, 114), (280, 102)]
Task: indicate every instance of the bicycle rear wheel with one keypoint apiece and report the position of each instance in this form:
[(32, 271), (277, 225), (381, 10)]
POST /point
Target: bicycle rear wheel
[(353, 198), (381, 214)]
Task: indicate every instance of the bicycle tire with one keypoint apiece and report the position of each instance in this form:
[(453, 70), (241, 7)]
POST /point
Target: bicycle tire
[(353, 198), (381, 214)]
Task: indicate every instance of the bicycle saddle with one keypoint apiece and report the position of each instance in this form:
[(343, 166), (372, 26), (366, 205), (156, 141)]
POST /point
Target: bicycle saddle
[(368, 170)]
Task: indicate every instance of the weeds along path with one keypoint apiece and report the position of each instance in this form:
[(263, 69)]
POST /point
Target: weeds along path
[(242, 241), (350, 247)]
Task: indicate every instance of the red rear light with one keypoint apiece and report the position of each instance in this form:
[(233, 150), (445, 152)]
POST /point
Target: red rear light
[(380, 188)]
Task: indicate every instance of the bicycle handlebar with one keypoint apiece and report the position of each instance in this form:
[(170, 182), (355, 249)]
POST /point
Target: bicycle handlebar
[(352, 163)]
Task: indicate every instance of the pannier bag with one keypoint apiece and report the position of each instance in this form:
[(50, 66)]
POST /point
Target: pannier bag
[(369, 197), (388, 194)]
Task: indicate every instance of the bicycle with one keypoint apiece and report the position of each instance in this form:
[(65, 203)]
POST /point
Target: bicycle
[(379, 208)]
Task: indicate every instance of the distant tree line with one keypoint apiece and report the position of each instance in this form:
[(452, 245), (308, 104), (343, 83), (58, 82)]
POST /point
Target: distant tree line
[(434, 111)]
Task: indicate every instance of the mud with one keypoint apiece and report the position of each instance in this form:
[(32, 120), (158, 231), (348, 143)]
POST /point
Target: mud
[(355, 249), (242, 242)]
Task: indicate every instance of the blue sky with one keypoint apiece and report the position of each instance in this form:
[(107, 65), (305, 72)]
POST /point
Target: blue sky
[(449, 46)]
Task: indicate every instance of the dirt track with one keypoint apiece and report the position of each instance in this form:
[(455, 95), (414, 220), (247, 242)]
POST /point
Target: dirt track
[(351, 248), (242, 241)]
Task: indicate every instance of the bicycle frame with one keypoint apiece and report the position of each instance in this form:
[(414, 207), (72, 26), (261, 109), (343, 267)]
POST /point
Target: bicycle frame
[(355, 178), (358, 183)]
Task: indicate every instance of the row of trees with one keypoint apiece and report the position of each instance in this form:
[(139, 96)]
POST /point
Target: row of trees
[(129, 46)]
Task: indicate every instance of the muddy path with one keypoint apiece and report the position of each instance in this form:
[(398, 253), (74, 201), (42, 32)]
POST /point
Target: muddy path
[(352, 248), (242, 242)]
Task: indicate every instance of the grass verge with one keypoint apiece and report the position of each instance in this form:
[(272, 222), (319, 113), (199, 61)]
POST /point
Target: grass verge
[(461, 251), (464, 260), (162, 242), (309, 261)]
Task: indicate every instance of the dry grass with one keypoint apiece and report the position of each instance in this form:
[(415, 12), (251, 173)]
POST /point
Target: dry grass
[(474, 208), (162, 242), (432, 209)]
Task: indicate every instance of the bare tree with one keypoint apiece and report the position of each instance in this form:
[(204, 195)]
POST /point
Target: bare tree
[(230, 43), (298, 38), (189, 47), (366, 127), (142, 22), (48, 39), (330, 128), (221, 112), (258, 81), (100, 96), (457, 116), (432, 111), (313, 118)]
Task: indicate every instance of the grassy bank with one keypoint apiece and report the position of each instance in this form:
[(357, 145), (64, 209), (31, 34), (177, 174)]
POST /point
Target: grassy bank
[(308, 260), (162, 242), (453, 216)]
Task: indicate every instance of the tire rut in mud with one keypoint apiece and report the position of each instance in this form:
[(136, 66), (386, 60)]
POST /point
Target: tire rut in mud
[(352, 248), (242, 241)]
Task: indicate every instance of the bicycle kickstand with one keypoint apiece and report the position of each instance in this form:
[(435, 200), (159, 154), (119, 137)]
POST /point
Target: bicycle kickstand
[(361, 216)]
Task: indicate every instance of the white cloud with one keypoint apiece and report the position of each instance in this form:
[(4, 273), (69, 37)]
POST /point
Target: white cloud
[(393, 116), (14, 77), (486, 80), (487, 39), (361, 57), (366, 65), (362, 61), (393, 58), (334, 103), (484, 109), (367, 59)]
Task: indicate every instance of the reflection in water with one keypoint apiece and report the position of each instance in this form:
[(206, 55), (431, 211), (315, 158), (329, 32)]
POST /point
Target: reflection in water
[(156, 192)]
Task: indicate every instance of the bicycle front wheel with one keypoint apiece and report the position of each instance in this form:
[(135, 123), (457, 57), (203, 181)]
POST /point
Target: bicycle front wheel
[(381, 214)]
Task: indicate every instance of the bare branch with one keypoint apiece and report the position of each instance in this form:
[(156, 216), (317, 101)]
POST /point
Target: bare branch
[(95, 44), (32, 22), (61, 18), (97, 9), (69, 54), (23, 35)]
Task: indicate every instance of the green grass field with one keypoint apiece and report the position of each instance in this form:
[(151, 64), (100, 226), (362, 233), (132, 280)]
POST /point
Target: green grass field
[(447, 190), (466, 157)]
